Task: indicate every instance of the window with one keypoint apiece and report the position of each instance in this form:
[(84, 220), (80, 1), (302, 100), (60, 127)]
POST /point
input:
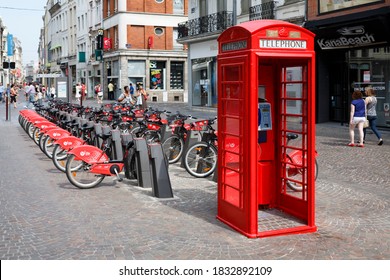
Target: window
[(177, 74), (178, 7), (159, 31), (159, 1), (244, 7), (176, 45), (202, 8), (221, 6)]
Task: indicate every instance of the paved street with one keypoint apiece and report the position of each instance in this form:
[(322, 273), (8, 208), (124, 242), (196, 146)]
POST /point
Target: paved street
[(44, 217)]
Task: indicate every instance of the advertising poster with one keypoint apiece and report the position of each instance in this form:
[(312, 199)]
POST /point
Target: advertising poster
[(61, 89)]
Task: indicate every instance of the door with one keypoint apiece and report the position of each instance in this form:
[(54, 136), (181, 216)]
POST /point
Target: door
[(234, 178), (295, 149)]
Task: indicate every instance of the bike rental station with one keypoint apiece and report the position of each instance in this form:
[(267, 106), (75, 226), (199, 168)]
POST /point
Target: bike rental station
[(266, 130)]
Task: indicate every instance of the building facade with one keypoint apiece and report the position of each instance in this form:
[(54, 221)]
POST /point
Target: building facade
[(11, 54), (140, 47), (207, 20), (353, 52)]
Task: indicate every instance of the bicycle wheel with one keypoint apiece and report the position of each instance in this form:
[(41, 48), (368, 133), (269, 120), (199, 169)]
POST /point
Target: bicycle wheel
[(48, 146), (294, 175), (36, 135), (201, 159), (151, 136), (130, 164), (29, 129), (78, 174), (173, 148), (59, 157)]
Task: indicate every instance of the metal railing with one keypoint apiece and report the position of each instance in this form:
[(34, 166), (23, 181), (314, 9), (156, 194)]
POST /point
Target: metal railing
[(204, 25), (262, 11)]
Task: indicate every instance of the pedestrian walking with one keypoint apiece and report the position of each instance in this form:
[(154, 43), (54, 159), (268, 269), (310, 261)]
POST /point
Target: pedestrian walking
[(13, 95), (357, 118), (99, 94), (131, 88), (371, 102), (83, 92), (78, 92), (1, 92), (52, 92), (30, 95)]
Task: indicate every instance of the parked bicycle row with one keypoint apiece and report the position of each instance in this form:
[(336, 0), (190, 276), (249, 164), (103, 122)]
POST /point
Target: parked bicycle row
[(89, 144)]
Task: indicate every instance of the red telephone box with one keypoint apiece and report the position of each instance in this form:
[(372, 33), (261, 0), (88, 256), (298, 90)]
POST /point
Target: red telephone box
[(266, 128)]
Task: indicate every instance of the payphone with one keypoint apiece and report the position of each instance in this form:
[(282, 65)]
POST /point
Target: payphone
[(264, 116)]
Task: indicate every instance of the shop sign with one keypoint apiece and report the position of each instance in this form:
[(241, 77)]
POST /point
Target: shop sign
[(376, 86), (351, 37), (234, 46), (282, 44)]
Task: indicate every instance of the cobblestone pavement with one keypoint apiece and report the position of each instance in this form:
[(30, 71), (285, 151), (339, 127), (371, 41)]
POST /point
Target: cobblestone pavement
[(44, 217)]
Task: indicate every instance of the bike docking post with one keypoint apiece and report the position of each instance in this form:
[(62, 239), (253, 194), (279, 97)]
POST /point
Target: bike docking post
[(161, 182), (98, 131), (143, 163), (215, 175), (192, 137), (126, 139), (116, 139), (166, 131)]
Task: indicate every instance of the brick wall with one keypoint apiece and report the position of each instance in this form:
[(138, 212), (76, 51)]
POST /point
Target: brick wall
[(138, 36)]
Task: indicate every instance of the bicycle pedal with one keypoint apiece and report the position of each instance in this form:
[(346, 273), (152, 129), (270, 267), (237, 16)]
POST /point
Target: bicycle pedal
[(117, 179)]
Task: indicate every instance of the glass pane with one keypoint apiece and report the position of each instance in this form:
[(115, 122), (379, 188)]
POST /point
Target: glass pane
[(231, 73), (136, 68), (232, 126)]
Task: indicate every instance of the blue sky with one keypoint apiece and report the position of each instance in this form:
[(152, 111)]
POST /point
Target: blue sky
[(23, 19)]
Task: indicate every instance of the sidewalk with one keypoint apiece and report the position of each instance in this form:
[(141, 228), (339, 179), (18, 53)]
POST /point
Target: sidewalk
[(44, 217)]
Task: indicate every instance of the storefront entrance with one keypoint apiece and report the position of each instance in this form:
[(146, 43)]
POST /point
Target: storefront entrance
[(360, 68)]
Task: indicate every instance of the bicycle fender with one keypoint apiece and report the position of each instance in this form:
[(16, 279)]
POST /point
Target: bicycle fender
[(68, 143), (105, 168), (89, 154), (57, 133), (46, 128), (42, 125)]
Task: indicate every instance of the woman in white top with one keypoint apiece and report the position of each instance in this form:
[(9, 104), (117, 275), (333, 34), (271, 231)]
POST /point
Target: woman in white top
[(78, 90), (371, 113), (52, 91)]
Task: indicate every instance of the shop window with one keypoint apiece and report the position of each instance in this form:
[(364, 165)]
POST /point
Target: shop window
[(177, 73), (157, 71), (365, 52)]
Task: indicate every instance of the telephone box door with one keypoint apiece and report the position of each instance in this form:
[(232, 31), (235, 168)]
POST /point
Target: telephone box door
[(235, 190)]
